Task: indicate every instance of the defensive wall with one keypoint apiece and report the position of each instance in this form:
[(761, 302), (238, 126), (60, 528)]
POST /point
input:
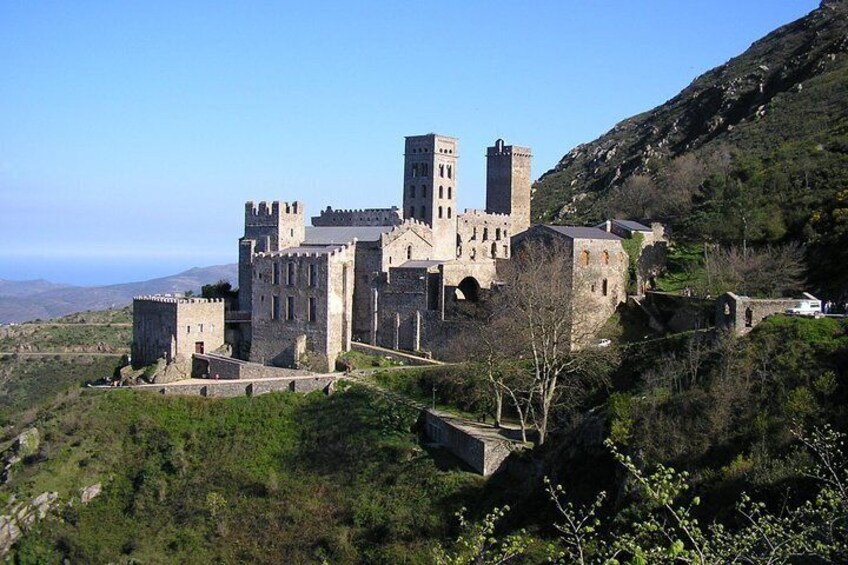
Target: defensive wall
[(229, 389), (365, 217), (741, 314), (228, 368)]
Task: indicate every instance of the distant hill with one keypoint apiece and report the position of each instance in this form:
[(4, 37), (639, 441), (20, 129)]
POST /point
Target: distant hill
[(29, 300)]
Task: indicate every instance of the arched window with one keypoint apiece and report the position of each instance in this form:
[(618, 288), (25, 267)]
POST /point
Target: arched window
[(449, 212), (605, 259), (440, 212), (584, 258), (494, 250), (412, 191), (441, 171), (450, 172), (450, 192), (409, 252), (441, 191), (485, 234), (414, 170)]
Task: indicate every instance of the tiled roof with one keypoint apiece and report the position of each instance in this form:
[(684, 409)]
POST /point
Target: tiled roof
[(344, 234), (579, 232)]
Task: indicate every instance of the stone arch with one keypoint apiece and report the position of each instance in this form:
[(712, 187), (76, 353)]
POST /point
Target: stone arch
[(468, 289), (584, 257)]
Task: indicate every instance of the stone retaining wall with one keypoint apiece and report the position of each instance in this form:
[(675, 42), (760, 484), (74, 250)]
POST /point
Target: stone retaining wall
[(484, 454), (229, 389)]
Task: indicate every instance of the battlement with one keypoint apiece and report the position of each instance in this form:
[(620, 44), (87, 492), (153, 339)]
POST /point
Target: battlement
[(499, 149), (267, 213), (362, 217), (168, 299), (476, 214), (397, 231)]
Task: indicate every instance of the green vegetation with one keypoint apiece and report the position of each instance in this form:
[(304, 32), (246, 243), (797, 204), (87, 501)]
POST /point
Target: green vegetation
[(354, 360), (272, 479)]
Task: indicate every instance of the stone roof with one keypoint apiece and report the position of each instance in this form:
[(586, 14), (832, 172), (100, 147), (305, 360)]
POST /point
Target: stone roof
[(579, 232), (630, 225), (420, 264), (343, 234)]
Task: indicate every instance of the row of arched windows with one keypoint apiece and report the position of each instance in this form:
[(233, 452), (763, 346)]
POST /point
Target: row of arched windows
[(420, 170), (441, 212), (442, 191), (446, 170)]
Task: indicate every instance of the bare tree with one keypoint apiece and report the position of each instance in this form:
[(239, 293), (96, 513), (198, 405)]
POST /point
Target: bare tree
[(771, 271), (536, 311)]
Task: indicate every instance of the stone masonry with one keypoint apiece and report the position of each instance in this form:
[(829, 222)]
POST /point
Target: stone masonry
[(167, 327)]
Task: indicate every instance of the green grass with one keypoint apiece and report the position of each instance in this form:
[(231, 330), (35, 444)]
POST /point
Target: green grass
[(360, 360), (279, 478), (685, 269)]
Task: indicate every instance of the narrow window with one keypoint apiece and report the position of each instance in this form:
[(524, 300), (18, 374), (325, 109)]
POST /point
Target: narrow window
[(449, 212), (188, 329), (441, 191), (275, 274), (290, 273), (485, 234), (450, 192), (494, 250), (313, 275), (423, 191), (414, 171), (312, 312), (412, 211), (474, 232), (289, 307), (450, 172), (605, 257), (423, 212), (506, 251), (409, 252), (412, 191), (498, 234), (604, 287), (200, 328), (473, 253), (440, 212), (275, 307), (441, 171), (593, 287), (584, 260)]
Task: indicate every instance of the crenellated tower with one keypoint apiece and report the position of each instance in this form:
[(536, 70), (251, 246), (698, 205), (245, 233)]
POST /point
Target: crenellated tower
[(268, 227), (429, 188), (508, 183)]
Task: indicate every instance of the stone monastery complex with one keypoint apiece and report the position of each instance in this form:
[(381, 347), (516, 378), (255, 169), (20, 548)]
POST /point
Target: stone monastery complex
[(392, 277)]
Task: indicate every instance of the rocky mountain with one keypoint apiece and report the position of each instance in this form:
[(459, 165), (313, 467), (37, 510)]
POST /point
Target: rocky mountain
[(19, 305), (789, 87)]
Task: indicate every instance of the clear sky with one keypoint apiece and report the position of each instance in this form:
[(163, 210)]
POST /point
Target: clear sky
[(131, 133)]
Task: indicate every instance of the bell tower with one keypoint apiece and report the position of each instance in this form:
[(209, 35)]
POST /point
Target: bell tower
[(429, 188)]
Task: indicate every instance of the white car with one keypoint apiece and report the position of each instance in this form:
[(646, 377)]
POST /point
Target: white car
[(806, 308)]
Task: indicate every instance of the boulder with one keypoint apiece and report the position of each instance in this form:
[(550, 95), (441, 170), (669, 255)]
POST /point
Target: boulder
[(89, 493)]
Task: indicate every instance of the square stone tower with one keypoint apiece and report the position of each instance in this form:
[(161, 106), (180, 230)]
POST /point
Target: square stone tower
[(268, 227), (429, 188), (508, 183)]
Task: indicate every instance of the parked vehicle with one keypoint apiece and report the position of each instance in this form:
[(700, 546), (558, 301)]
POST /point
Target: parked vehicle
[(806, 308)]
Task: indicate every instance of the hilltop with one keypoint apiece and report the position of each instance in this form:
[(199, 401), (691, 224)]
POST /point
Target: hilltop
[(754, 149)]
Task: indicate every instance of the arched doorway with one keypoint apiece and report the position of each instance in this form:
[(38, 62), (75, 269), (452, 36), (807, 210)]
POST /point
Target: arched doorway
[(468, 289)]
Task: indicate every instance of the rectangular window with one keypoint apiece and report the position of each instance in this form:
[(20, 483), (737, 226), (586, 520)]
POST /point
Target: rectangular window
[(275, 307), (290, 273), (313, 312), (289, 307), (275, 274), (313, 275), (200, 328), (188, 329)]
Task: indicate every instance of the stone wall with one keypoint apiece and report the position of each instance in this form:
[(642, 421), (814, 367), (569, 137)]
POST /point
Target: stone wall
[(741, 314), (227, 368), (480, 450), (229, 389), (480, 236), (170, 327), (285, 332), (367, 217)]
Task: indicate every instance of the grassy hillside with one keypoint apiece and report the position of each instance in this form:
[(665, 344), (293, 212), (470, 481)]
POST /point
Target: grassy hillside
[(280, 478)]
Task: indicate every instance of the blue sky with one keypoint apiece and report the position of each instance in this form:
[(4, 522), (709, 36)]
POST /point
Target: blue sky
[(131, 133)]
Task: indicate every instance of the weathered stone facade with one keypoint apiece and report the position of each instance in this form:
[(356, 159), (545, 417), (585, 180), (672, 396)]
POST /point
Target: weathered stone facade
[(302, 305), (508, 180), (741, 314), (652, 253), (167, 327), (481, 235), (368, 217)]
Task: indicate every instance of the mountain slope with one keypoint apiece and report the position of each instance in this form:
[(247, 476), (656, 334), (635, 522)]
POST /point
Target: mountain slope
[(65, 300), (789, 87)]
